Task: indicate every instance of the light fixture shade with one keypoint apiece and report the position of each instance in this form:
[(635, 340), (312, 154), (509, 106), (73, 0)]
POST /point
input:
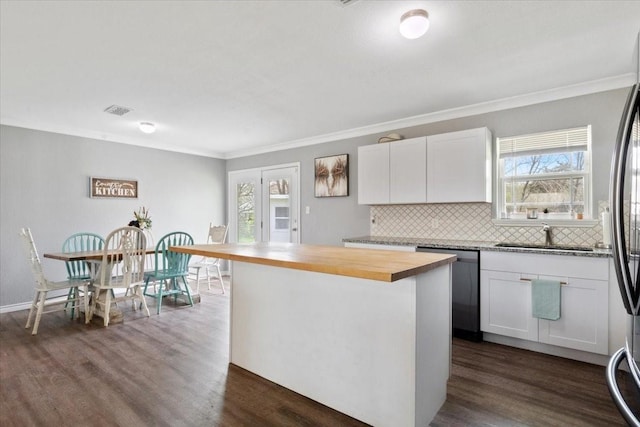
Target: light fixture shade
[(147, 127), (414, 23)]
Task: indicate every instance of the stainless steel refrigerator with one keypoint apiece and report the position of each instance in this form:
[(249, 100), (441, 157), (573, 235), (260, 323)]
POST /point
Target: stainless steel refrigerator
[(624, 199)]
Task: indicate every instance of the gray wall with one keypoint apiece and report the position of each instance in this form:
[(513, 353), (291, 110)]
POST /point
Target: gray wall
[(44, 181), (601, 110), (332, 219), (44, 185)]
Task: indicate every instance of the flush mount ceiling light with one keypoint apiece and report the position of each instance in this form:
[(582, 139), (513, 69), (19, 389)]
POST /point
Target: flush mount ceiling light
[(414, 23), (147, 127)]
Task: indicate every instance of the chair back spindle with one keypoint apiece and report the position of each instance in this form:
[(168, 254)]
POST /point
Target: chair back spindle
[(81, 242), (34, 259), (77, 289), (211, 266)]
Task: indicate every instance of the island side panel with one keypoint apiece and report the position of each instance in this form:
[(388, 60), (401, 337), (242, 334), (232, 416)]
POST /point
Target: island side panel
[(348, 343), (433, 331)]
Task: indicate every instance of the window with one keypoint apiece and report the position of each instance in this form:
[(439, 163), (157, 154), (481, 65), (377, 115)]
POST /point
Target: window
[(549, 171), (246, 211), (282, 217)]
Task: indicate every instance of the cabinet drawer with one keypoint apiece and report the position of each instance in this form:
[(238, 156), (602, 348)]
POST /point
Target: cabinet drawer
[(401, 248), (543, 264)]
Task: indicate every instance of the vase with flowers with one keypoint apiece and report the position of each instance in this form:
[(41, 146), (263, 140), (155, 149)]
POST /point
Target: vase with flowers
[(142, 219)]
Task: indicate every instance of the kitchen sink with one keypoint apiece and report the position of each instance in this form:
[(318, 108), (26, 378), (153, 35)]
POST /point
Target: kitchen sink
[(542, 246)]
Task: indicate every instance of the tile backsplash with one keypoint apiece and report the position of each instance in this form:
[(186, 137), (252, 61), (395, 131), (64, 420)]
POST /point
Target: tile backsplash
[(470, 221)]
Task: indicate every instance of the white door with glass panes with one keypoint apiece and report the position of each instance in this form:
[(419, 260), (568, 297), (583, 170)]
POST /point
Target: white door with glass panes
[(263, 205), (280, 205), (245, 206)]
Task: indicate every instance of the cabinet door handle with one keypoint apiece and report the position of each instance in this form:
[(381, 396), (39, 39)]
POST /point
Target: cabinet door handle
[(528, 280)]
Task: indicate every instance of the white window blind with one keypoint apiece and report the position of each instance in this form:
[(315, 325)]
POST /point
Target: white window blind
[(566, 140)]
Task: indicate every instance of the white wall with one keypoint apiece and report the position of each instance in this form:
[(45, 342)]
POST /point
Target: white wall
[(44, 185)]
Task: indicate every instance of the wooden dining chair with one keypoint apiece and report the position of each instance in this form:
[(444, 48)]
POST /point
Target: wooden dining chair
[(217, 235), (44, 286), (80, 270), (121, 270), (171, 270), (149, 262)]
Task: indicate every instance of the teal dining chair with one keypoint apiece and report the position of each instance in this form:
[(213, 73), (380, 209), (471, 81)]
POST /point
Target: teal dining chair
[(80, 270), (169, 275)]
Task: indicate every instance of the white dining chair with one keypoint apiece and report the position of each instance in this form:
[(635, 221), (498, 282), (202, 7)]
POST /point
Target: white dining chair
[(41, 304), (217, 235), (121, 269)]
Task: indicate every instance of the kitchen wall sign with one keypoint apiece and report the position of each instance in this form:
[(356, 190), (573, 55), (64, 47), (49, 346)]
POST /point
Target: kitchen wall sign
[(332, 176), (114, 188)]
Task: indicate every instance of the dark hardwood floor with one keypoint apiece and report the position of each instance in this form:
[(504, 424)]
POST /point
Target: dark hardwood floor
[(172, 370)]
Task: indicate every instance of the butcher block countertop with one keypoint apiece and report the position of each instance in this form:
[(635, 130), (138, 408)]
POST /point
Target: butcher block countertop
[(382, 265)]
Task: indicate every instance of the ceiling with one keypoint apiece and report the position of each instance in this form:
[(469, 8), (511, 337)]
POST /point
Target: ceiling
[(231, 78)]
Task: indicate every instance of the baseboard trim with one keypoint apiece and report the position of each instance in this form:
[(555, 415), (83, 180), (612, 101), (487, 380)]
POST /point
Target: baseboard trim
[(26, 305), (568, 353)]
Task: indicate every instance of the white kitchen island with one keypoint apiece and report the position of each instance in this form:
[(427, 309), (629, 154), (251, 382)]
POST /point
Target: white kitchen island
[(366, 332)]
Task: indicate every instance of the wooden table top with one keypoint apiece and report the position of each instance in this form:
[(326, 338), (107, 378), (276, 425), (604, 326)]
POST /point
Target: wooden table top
[(81, 256), (383, 265)]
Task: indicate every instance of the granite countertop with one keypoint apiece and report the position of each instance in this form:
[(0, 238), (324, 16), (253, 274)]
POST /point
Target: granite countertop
[(470, 245), (386, 266)]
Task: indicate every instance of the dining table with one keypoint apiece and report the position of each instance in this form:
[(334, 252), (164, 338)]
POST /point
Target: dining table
[(93, 259)]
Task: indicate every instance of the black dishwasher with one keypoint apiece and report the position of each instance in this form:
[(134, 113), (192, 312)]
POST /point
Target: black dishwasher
[(465, 292)]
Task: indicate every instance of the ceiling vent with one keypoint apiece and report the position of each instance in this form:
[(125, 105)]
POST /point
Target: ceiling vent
[(117, 110)]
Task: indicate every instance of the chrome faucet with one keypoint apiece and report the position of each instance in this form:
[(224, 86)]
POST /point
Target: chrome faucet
[(548, 240)]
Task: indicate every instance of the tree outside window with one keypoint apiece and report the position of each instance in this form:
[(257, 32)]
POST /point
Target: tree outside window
[(547, 171)]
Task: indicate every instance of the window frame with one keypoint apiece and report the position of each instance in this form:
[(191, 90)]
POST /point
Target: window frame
[(502, 182)]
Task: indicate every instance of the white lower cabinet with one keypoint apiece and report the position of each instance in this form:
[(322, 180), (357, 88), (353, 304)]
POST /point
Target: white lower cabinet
[(583, 324), (505, 299), (505, 305)]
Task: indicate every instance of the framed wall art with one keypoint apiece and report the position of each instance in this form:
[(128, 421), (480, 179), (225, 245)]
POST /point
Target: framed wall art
[(332, 176), (114, 188)]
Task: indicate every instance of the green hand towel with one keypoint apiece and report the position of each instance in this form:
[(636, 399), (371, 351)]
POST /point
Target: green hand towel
[(545, 298)]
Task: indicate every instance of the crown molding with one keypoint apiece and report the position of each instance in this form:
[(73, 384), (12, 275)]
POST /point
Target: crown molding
[(102, 136), (571, 91)]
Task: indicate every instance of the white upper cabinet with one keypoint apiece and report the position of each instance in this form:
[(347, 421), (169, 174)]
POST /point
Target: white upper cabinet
[(373, 174), (393, 172), (408, 168), (459, 166)]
